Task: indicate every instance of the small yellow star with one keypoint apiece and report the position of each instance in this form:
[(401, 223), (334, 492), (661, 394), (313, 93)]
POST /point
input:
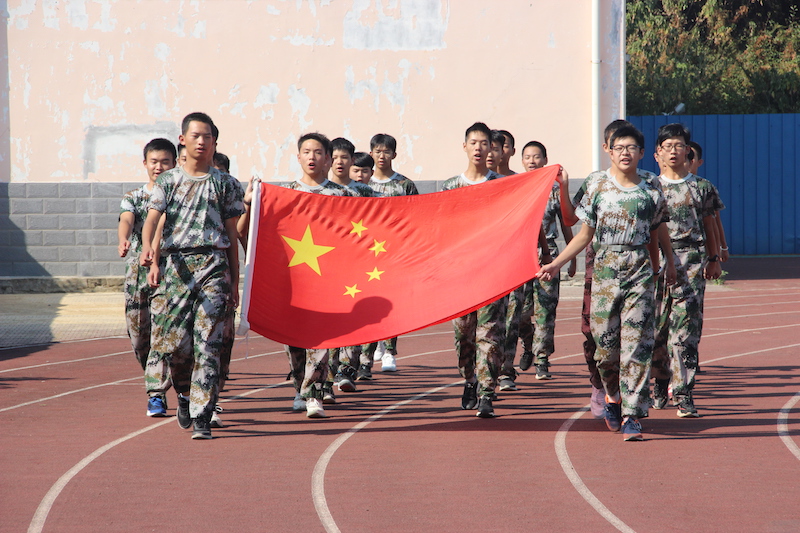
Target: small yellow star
[(375, 274), (305, 251), (378, 247), (351, 291), (358, 227)]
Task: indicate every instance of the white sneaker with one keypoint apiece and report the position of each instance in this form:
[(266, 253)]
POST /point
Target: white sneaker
[(314, 408), (216, 421), (380, 351), (299, 403), (388, 363), (598, 403)]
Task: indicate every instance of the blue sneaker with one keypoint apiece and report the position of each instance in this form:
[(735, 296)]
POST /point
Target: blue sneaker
[(632, 429), (156, 406), (613, 416)]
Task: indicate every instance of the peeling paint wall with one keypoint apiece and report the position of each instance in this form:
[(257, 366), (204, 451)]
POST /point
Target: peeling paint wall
[(91, 81)]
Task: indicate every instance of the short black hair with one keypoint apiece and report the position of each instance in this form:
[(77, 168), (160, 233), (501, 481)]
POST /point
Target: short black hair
[(509, 137), (668, 131), (383, 139), (222, 160), (614, 126), (199, 117), (538, 145), (696, 148), (479, 127), (320, 138), (363, 159), (340, 143), (627, 131), (497, 137), (160, 144)]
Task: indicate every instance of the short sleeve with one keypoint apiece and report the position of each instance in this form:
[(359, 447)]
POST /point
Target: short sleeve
[(158, 199)]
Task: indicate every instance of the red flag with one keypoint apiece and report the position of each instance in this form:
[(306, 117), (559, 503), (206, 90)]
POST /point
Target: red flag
[(324, 272)]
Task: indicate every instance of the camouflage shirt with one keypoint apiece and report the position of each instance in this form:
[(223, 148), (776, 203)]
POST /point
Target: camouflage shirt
[(689, 200), (646, 175), (622, 215), (397, 185), (135, 202), (196, 208), (326, 188), (461, 181), (361, 189)]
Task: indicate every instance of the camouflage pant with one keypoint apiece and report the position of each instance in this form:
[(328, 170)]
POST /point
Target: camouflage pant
[(516, 300), (189, 310), (348, 356), (680, 322), (538, 322), (309, 370), (368, 350), (228, 337), (623, 322), (589, 347), (480, 341)]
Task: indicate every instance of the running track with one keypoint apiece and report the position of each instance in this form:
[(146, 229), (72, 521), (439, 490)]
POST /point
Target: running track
[(78, 453)]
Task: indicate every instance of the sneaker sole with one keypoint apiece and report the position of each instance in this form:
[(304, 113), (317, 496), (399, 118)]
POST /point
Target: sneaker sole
[(507, 388), (346, 386), (688, 414), (217, 424), (201, 436), (543, 377), (329, 400), (634, 437), (484, 414), (316, 414), (156, 414), (390, 369)]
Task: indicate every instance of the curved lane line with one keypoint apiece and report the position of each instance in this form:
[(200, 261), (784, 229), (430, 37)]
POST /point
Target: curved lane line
[(318, 476), (783, 425)]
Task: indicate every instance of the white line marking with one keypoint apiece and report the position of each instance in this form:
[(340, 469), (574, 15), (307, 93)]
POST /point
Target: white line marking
[(783, 426), (750, 353), (575, 479), (62, 342), (318, 476), (64, 362)]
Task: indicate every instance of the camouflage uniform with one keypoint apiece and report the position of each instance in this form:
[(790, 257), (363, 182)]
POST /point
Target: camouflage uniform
[(194, 297), (622, 306), (138, 294), (309, 368), (680, 322), (480, 335), (396, 185), (589, 346)]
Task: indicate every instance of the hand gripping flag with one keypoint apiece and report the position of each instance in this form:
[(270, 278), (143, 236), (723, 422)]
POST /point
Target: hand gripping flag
[(325, 272)]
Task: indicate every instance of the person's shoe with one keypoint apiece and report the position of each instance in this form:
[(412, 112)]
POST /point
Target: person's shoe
[(542, 372), (686, 408), (507, 384), (156, 406), (380, 351), (632, 429), (184, 419), (364, 373), (485, 409), (660, 393), (314, 408), (388, 363), (216, 421), (299, 403), (346, 378), (328, 397), (469, 399), (613, 415), (525, 360), (202, 427), (598, 403)]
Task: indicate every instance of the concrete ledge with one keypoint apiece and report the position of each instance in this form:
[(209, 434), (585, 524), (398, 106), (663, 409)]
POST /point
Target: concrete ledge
[(17, 285)]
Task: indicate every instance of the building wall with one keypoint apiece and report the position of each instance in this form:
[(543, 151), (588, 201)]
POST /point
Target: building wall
[(90, 82)]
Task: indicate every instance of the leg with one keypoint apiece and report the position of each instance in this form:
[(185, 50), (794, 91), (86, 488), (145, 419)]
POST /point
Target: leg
[(137, 311), (464, 328), (512, 324), (545, 302)]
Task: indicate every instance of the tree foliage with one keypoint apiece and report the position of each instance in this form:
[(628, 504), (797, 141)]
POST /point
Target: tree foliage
[(715, 56)]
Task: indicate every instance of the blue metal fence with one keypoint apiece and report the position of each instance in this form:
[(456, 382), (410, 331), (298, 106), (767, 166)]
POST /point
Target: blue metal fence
[(754, 160)]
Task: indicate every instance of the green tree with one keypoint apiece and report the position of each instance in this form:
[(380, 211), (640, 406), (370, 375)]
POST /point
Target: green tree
[(715, 56)]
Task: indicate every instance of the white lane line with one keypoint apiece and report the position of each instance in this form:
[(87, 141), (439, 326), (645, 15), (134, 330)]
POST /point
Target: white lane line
[(64, 362), (575, 479), (783, 425), (750, 353), (40, 516), (318, 476), (62, 342)]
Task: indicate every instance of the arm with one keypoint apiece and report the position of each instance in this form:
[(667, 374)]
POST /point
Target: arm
[(148, 232), (243, 224), (124, 231), (154, 275), (568, 236), (233, 260), (713, 269), (567, 209), (546, 257), (666, 247), (723, 243), (583, 238)]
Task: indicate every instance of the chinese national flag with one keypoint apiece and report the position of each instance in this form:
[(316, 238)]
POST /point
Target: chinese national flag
[(325, 272)]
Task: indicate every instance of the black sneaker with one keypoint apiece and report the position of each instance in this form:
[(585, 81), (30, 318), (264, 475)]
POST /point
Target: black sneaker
[(485, 409), (328, 397), (184, 420), (346, 378), (506, 384), (202, 427), (613, 416), (364, 373), (542, 372), (526, 360), (660, 393), (469, 400), (686, 408)]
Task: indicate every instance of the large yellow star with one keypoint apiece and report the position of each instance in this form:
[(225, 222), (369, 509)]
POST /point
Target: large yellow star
[(305, 251), (358, 227), (351, 291), (378, 247), (375, 274)]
